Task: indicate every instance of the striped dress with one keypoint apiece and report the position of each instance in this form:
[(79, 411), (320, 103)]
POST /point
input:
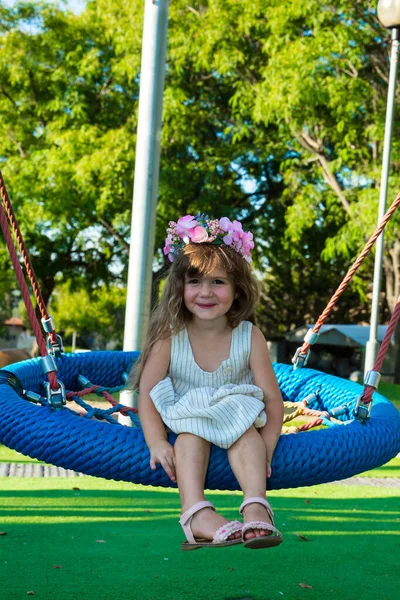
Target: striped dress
[(218, 406)]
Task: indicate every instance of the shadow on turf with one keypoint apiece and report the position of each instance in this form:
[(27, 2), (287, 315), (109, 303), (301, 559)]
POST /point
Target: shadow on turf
[(322, 515)]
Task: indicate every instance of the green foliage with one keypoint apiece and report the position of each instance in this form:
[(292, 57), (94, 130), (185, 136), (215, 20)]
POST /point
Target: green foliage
[(273, 113), (97, 317)]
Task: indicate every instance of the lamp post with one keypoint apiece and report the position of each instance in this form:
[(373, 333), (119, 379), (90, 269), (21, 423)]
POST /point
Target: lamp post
[(389, 15)]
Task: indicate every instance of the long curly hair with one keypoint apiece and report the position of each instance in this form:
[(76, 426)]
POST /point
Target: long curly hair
[(171, 314)]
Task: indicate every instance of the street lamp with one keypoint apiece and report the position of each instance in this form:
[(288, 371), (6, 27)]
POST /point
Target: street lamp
[(389, 15)]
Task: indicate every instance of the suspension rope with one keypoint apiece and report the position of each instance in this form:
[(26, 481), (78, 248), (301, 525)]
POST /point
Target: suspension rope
[(24, 253), (369, 389), (20, 277), (302, 353)]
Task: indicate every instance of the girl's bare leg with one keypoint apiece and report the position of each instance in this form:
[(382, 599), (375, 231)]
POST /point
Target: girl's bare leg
[(192, 455), (248, 460)]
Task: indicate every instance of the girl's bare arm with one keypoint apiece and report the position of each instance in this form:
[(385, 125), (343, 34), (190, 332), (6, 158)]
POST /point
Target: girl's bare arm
[(264, 377), (156, 369)]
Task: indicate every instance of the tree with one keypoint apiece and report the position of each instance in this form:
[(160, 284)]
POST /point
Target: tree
[(66, 120), (247, 133), (96, 316)]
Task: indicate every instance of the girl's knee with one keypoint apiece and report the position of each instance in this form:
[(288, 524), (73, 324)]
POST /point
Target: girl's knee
[(190, 439)]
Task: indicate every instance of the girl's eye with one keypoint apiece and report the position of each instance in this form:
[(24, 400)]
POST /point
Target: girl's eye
[(193, 281), (219, 281)]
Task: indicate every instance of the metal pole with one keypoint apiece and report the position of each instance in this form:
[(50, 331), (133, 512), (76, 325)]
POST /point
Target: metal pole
[(147, 163), (372, 346)]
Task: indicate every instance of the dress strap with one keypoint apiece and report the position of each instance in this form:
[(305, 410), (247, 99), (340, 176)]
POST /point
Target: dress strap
[(241, 339)]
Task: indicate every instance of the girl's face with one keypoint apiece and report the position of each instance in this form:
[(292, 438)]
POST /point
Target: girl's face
[(209, 297)]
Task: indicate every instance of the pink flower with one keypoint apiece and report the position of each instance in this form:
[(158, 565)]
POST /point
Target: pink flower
[(185, 227), (199, 235), (227, 239), (225, 224), (247, 242)]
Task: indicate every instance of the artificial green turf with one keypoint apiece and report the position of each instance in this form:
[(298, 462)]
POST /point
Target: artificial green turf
[(391, 469), (109, 540)]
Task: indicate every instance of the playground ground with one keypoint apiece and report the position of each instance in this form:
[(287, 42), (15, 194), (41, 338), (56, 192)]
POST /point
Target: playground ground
[(86, 538)]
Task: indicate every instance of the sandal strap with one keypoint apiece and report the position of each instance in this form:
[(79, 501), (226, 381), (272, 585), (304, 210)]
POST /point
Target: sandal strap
[(222, 534), (186, 518), (188, 514), (260, 525), (257, 500)]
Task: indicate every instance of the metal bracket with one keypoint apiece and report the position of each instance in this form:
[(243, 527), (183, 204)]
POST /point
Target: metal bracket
[(299, 360), (57, 348), (362, 410), (56, 398)]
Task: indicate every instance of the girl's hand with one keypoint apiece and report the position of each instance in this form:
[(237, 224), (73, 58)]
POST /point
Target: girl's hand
[(269, 471), (162, 452)]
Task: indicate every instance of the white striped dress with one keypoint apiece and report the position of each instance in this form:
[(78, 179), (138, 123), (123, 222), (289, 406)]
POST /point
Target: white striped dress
[(218, 406)]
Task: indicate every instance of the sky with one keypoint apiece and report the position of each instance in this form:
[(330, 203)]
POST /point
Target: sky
[(75, 5)]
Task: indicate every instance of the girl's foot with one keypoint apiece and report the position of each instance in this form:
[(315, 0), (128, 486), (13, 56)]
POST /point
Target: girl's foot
[(259, 530), (256, 512), (206, 522)]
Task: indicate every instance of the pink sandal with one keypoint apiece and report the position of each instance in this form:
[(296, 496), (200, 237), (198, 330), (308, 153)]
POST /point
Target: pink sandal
[(266, 541), (220, 539)]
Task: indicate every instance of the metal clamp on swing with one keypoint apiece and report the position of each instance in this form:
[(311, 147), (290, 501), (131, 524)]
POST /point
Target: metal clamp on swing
[(56, 398), (363, 409), (49, 327), (48, 364), (300, 358), (84, 382), (56, 348), (32, 397), (372, 378)]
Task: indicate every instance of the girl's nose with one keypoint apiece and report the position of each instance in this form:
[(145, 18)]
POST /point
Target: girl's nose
[(205, 289)]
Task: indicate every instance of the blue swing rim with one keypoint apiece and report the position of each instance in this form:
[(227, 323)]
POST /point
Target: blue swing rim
[(66, 439)]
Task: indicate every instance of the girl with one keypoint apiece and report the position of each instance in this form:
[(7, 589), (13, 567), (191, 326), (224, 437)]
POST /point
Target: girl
[(205, 373)]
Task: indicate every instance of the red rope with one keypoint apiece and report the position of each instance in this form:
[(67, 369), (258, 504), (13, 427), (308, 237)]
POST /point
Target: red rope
[(25, 256), (307, 426), (21, 281), (107, 396), (306, 345), (368, 390)]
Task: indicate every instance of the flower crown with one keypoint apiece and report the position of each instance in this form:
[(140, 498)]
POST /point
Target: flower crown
[(200, 228)]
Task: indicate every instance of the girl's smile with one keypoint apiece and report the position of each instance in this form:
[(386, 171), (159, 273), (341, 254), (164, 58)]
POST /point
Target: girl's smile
[(209, 296)]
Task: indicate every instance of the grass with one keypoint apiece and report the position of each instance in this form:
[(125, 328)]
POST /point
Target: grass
[(116, 540), (392, 392)]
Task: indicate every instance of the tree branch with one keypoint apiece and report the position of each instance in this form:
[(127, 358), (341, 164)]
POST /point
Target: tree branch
[(7, 95), (35, 95), (17, 144), (115, 234), (316, 147)]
